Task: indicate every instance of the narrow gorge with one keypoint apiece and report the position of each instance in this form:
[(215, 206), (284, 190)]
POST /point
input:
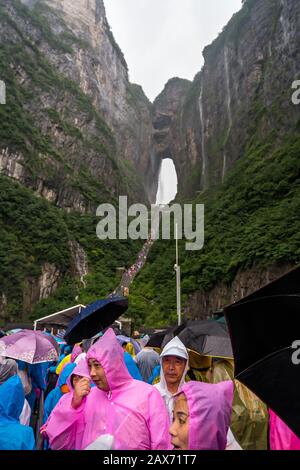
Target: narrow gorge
[(75, 133)]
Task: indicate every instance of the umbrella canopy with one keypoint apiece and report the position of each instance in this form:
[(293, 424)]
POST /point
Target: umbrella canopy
[(207, 337), (2, 333), (126, 339), (161, 338), (29, 346), (123, 339), (262, 332), (95, 317), (156, 339)]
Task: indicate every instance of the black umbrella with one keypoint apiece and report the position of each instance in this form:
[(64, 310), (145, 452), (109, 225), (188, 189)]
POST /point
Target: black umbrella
[(95, 318), (207, 337), (262, 332), (171, 333), (2, 334), (156, 339), (162, 337)]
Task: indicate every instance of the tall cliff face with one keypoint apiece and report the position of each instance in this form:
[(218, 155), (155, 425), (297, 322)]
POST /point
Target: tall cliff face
[(243, 93), (102, 74), (83, 128), (75, 132), (234, 139), (167, 124)]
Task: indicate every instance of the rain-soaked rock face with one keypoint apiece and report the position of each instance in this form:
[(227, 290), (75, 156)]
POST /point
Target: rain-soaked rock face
[(203, 126), (97, 123), (243, 92)]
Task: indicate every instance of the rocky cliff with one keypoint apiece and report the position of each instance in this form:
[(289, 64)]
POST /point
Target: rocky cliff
[(84, 132), (75, 132), (242, 94), (234, 137)]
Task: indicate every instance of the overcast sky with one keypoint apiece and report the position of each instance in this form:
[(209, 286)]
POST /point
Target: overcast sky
[(162, 39)]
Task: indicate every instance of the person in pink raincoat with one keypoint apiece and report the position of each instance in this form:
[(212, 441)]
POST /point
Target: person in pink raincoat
[(201, 416), (281, 436), (131, 411)]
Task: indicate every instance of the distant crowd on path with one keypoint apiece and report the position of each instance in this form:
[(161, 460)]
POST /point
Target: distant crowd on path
[(131, 272), (115, 393)]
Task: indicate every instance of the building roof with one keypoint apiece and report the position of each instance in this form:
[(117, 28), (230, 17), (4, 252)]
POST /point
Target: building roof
[(59, 319)]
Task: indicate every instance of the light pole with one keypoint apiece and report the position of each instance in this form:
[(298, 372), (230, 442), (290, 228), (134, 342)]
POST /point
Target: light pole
[(177, 270)]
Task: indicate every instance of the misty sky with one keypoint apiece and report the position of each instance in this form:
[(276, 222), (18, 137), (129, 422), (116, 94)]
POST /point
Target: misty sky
[(162, 39)]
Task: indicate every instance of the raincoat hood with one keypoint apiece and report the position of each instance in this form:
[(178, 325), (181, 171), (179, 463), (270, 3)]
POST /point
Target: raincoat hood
[(146, 360), (67, 371), (11, 399), (78, 369), (80, 357), (8, 368), (210, 408), (175, 347), (144, 340), (110, 355), (132, 411), (75, 353)]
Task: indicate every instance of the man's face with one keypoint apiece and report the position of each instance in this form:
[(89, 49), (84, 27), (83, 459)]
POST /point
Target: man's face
[(98, 375), (173, 368)]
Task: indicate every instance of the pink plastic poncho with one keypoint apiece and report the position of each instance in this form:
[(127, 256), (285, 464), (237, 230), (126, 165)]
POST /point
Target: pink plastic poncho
[(132, 411), (281, 436), (75, 352), (210, 408), (81, 369)]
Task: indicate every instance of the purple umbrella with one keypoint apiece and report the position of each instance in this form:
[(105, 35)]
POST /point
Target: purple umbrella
[(29, 346), (125, 339)]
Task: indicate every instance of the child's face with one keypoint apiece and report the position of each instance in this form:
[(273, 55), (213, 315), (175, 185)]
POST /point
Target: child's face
[(179, 429), (75, 379)]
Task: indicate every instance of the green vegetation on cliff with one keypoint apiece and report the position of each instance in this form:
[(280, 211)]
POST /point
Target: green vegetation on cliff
[(37, 94), (66, 147), (33, 232)]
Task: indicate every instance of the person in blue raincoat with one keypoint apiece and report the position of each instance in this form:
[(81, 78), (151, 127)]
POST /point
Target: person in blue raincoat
[(56, 394), (37, 374), (13, 435), (155, 377), (131, 365)]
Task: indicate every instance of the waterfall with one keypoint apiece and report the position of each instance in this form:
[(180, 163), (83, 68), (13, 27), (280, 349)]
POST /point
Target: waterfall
[(285, 24), (79, 259), (224, 166), (228, 106), (204, 158), (228, 99)]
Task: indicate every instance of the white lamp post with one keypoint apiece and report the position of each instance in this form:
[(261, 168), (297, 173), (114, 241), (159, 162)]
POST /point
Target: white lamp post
[(177, 270)]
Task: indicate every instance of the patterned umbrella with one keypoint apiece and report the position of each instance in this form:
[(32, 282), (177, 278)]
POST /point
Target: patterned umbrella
[(29, 346)]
